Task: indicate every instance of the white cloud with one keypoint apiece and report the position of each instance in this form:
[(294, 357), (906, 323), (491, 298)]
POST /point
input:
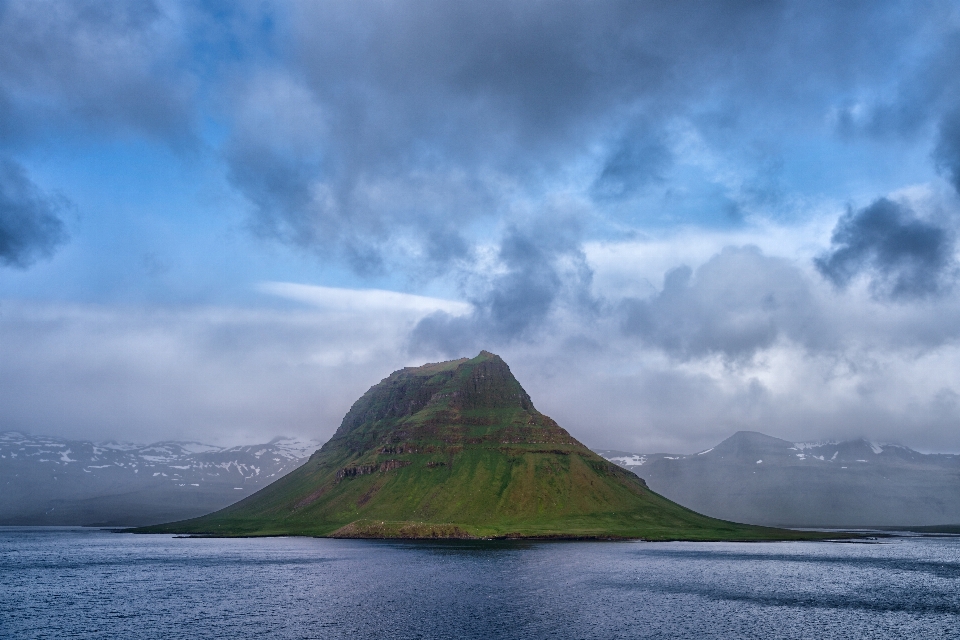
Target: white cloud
[(364, 300), (211, 374)]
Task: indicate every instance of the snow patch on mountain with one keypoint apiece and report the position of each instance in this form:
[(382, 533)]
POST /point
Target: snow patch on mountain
[(38, 473), (801, 446)]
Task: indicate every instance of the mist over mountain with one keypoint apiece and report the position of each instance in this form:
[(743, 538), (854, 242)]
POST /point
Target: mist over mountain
[(54, 481), (754, 478)]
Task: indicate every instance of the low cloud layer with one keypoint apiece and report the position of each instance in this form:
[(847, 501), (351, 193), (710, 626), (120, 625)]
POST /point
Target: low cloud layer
[(741, 341), (226, 375), (739, 302), (217, 375)]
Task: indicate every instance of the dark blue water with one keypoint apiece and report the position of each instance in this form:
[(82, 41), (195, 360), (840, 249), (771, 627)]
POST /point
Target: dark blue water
[(75, 583)]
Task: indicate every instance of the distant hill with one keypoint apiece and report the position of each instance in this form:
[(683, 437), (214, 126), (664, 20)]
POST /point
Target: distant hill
[(457, 449), (751, 477), (53, 481)]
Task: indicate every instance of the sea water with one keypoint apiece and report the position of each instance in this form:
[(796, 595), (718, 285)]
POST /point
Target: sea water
[(87, 583)]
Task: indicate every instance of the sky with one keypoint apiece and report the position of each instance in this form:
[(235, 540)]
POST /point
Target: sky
[(224, 221)]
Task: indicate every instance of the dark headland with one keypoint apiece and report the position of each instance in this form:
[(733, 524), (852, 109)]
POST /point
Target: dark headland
[(457, 450)]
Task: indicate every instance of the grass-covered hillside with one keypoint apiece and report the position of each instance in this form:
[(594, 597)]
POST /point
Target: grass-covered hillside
[(457, 449)]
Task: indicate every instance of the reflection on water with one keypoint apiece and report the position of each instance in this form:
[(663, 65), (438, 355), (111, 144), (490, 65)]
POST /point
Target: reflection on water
[(79, 583)]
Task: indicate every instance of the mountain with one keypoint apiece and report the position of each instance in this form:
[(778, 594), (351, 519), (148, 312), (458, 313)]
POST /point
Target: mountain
[(53, 481), (751, 477), (457, 449)]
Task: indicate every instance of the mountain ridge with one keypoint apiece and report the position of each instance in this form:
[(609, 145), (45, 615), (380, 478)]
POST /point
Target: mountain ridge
[(752, 477), (47, 480), (457, 449)]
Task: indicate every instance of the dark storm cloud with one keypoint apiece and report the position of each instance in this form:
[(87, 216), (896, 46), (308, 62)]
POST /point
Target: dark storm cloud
[(406, 122), (93, 65), (904, 256), (736, 304), (543, 269), (377, 133), (433, 115), (30, 225)]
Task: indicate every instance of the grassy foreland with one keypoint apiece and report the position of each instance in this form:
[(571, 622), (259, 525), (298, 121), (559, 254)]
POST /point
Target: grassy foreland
[(457, 450)]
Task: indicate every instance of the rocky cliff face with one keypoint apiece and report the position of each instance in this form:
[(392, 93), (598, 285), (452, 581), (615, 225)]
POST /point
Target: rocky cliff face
[(459, 385), (491, 385), (440, 407)]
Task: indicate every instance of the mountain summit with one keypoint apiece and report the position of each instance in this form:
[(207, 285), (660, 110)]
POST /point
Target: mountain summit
[(457, 449)]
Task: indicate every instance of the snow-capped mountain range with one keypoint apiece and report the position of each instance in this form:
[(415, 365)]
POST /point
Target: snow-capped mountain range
[(749, 477), (758, 479), (54, 481)]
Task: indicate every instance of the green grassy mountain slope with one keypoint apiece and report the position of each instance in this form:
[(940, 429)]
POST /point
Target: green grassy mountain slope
[(457, 449)]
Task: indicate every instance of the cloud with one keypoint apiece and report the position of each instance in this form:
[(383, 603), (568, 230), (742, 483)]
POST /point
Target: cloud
[(78, 71), (230, 375), (390, 136), (621, 397), (387, 134), (904, 256), (111, 66), (741, 304), (538, 269), (737, 303), (742, 341), (364, 300), (30, 224), (214, 374)]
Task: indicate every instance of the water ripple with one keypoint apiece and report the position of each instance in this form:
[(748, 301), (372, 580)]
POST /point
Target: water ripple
[(73, 583)]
